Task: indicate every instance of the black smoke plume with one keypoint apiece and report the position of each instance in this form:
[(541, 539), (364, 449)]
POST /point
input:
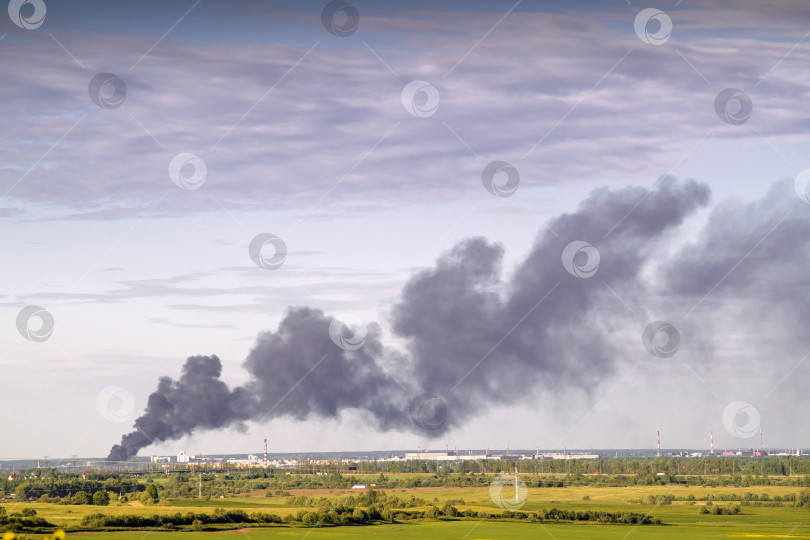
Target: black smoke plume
[(473, 337)]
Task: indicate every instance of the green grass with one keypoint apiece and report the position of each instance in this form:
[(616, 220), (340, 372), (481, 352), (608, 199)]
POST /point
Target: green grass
[(478, 530), (681, 520)]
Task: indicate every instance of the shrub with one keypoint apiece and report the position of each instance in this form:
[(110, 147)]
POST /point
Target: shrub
[(359, 515), (431, 512), (311, 519), (450, 510), (101, 498)]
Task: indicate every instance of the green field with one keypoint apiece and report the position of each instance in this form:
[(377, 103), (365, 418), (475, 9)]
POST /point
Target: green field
[(681, 519), (485, 530)]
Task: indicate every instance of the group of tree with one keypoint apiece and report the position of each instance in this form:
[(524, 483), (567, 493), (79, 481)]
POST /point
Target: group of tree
[(25, 520), (62, 485), (717, 510), (344, 514), (53, 485)]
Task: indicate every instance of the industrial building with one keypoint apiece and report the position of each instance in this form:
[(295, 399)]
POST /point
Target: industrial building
[(458, 456)]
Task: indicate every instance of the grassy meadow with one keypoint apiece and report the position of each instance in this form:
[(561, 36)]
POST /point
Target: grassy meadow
[(681, 519)]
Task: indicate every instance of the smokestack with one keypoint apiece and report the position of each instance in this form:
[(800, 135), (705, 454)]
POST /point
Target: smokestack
[(711, 442), (658, 436), (265, 453)]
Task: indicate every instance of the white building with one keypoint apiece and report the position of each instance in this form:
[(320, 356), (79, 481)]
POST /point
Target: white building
[(182, 457), (446, 456)]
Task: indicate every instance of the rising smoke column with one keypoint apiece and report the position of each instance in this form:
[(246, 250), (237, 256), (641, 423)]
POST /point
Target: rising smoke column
[(473, 337), (296, 371), (198, 399), (558, 326)]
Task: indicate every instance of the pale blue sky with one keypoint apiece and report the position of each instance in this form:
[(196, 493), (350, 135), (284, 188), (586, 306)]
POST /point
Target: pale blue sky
[(304, 135)]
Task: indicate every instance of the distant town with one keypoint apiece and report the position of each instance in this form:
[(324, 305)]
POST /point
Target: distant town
[(296, 459)]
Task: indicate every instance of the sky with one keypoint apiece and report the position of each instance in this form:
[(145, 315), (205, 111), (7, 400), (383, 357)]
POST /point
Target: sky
[(504, 201)]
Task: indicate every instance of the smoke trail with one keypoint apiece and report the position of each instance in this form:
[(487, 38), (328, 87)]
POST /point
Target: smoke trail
[(473, 337)]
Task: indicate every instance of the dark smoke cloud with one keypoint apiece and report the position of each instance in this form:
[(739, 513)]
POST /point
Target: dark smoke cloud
[(197, 400), (557, 325), (473, 337)]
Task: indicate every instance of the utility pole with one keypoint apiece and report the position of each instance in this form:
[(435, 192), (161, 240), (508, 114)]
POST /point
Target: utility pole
[(200, 492)]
